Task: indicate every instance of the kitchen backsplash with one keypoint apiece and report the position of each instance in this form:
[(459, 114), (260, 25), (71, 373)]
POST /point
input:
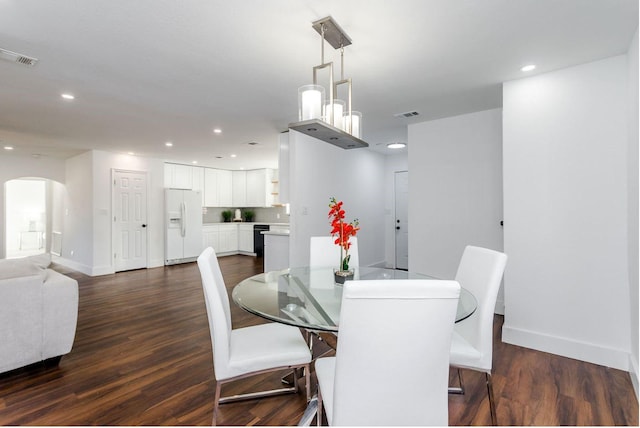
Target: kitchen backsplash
[(264, 215)]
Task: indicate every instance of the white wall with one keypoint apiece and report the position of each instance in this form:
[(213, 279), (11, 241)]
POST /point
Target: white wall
[(632, 163), (88, 222), (318, 171), (77, 238), (565, 208), (455, 189), (392, 164), (16, 166)]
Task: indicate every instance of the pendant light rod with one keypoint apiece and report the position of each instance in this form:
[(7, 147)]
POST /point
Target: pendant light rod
[(322, 29)]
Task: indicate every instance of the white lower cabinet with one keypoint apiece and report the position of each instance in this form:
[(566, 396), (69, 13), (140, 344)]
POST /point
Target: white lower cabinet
[(211, 237), (245, 238), (228, 238)]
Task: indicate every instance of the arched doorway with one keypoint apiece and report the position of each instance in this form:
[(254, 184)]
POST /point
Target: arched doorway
[(33, 220)]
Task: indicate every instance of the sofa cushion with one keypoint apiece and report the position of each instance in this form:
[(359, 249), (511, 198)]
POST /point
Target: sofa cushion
[(43, 261), (16, 268)]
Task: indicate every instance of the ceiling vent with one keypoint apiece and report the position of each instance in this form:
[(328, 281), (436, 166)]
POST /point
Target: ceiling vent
[(406, 115), (17, 58)]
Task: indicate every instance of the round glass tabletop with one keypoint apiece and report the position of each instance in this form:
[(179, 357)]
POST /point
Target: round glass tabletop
[(309, 298)]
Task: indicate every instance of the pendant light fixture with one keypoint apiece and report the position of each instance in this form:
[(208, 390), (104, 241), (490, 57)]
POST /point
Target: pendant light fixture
[(331, 120)]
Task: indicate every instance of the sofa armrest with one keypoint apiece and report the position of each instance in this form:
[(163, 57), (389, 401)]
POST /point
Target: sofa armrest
[(59, 313), (20, 321)]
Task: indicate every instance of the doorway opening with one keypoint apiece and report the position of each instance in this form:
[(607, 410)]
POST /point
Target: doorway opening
[(26, 217), (33, 218)]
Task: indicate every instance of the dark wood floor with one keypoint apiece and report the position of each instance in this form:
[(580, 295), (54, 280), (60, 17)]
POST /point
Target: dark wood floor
[(142, 356)]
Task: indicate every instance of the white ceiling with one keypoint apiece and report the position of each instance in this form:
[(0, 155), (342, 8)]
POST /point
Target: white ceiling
[(145, 72)]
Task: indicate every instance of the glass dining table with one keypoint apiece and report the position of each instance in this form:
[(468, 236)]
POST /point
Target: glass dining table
[(308, 297)]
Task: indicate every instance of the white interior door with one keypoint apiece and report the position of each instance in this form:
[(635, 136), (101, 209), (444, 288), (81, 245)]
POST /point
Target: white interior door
[(129, 220), (402, 219)]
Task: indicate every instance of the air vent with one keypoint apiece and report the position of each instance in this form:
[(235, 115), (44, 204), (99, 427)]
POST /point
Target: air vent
[(17, 58), (406, 115)]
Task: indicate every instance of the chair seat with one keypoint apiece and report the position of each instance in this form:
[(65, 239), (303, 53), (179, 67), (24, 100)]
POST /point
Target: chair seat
[(326, 371), (464, 355), (266, 346)]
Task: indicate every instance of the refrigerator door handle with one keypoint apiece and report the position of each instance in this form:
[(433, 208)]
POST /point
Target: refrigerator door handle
[(183, 213)]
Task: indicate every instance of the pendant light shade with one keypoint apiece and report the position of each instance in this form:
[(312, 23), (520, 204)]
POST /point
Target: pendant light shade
[(310, 102), (353, 123), (333, 113)]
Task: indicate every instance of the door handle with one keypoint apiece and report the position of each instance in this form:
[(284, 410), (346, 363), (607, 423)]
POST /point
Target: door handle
[(144, 225)]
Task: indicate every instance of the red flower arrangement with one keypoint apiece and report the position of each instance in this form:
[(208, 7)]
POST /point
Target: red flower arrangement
[(342, 231)]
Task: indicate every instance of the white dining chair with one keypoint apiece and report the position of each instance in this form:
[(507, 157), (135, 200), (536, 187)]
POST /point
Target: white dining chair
[(392, 359), (480, 271), (323, 251), (248, 351)]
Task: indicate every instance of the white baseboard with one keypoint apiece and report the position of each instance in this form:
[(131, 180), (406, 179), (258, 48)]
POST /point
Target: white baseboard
[(87, 270), (156, 263), (633, 372), (565, 347)]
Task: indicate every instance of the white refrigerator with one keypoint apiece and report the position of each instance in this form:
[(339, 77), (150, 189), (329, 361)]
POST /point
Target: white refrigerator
[(183, 235)]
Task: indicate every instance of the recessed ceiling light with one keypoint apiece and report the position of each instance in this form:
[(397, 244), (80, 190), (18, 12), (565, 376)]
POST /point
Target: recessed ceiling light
[(8, 147), (68, 96), (217, 131), (233, 156), (194, 162), (396, 145), (168, 144), (528, 67), (131, 153)]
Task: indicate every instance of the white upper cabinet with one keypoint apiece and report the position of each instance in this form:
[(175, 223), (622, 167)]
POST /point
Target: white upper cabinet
[(239, 196), (223, 188), (210, 187), (259, 188), (178, 176), (198, 181), (218, 188)]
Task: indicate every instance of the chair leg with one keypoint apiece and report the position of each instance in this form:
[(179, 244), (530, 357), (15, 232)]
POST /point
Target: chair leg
[(216, 402), (492, 404), (307, 380), (457, 390), (295, 380), (319, 414)]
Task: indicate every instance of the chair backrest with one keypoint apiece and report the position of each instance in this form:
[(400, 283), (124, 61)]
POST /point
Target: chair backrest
[(480, 271), (392, 359), (218, 310), (325, 252)]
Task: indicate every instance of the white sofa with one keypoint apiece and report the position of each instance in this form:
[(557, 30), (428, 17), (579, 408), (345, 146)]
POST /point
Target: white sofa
[(38, 312)]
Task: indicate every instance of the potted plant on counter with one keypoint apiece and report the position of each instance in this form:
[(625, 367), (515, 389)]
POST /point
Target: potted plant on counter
[(226, 215), (248, 215)]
